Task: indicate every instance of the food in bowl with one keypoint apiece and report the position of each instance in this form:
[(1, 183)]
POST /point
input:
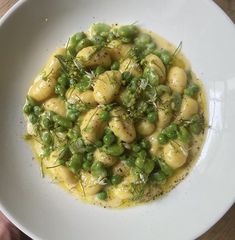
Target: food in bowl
[(117, 117)]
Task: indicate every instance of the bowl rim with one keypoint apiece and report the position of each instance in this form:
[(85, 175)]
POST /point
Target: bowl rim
[(216, 217)]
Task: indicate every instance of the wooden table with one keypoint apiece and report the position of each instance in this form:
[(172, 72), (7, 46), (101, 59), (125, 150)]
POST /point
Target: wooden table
[(225, 228)]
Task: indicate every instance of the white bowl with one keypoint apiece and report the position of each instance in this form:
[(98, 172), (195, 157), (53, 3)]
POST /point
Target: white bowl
[(33, 29)]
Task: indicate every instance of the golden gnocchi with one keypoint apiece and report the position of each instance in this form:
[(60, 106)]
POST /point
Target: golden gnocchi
[(116, 116)]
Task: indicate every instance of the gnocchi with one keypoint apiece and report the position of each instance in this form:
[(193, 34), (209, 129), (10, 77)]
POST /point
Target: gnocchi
[(92, 127), (129, 65), (91, 57), (121, 127), (56, 105), (42, 89), (115, 114), (118, 50), (156, 63), (175, 154), (106, 86), (177, 79), (189, 107), (73, 96), (105, 158)]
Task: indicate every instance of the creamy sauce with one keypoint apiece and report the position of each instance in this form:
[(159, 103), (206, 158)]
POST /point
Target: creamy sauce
[(76, 189)]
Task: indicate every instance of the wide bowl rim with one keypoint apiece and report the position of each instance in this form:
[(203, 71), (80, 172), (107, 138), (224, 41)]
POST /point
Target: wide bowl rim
[(216, 217)]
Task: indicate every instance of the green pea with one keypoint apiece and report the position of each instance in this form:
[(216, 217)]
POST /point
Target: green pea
[(171, 131), (157, 52), (98, 170), (33, 118), (150, 47), (31, 101), (152, 117), (196, 119), (115, 65), (136, 148), (162, 138), (151, 75), (105, 116), (99, 40), (109, 138), (128, 31), (79, 36), (46, 123), (195, 128), (102, 195), (72, 116), (143, 39), (196, 124), (99, 70), (159, 177), (46, 137), (145, 144), (37, 110), (101, 29), (86, 165), (96, 165), (116, 179), (63, 81), (84, 84), (166, 57), (64, 122), (115, 150), (191, 90), (149, 166), (167, 170), (75, 162), (139, 162), (126, 76), (73, 41), (28, 109), (161, 89), (195, 88), (184, 135), (60, 90), (83, 43), (176, 101)]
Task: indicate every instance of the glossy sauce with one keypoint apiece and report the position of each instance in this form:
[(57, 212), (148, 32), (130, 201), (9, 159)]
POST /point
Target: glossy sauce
[(179, 174)]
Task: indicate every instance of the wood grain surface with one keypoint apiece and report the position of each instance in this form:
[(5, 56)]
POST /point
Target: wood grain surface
[(225, 228)]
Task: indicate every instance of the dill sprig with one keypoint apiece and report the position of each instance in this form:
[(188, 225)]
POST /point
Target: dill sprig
[(178, 49)]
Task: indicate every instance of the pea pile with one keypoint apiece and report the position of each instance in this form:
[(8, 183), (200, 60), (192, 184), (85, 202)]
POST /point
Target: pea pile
[(117, 112)]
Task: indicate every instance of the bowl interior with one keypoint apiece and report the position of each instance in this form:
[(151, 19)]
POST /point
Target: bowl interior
[(44, 211)]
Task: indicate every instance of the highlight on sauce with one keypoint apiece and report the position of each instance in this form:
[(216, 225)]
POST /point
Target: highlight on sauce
[(116, 117)]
